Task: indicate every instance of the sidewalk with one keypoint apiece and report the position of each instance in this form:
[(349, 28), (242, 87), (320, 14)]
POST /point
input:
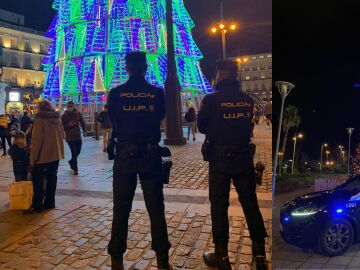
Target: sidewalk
[(76, 233)]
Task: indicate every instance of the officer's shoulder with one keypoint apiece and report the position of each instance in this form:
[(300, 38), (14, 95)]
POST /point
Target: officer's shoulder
[(156, 90), (117, 89), (246, 97), (210, 96)]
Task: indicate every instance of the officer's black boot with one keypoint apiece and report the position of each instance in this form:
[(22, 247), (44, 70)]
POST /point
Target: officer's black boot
[(259, 255), (117, 263), (163, 262), (218, 259)]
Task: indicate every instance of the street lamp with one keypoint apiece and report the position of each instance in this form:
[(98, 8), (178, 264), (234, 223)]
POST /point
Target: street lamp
[(350, 131), (284, 90), (340, 154), (299, 136), (321, 154), (223, 28), (327, 155)]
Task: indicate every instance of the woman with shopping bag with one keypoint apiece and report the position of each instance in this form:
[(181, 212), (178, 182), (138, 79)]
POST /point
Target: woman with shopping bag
[(47, 149)]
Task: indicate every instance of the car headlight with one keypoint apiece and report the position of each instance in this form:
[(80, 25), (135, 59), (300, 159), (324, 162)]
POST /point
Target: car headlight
[(305, 211)]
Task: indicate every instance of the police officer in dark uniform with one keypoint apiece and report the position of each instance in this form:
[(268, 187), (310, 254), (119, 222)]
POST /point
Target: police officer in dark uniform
[(136, 109), (226, 119)]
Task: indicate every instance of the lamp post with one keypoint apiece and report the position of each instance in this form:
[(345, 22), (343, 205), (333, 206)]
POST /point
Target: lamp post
[(299, 136), (339, 159), (174, 132), (321, 154), (327, 155), (223, 28), (284, 90), (350, 131)]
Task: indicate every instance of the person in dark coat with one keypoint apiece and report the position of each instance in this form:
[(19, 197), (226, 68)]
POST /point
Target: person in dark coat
[(20, 156), (5, 132), (106, 126), (71, 121), (25, 122), (190, 118)]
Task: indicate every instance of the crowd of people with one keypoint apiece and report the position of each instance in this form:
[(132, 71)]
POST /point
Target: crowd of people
[(36, 145)]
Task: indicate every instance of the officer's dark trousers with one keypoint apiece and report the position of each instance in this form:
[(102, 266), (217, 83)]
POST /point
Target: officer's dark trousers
[(124, 185), (219, 192)]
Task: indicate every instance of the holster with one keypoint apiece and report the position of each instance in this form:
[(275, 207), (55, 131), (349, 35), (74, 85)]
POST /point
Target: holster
[(166, 164), (207, 150), (110, 149)]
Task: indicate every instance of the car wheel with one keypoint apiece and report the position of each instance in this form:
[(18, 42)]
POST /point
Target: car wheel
[(336, 237)]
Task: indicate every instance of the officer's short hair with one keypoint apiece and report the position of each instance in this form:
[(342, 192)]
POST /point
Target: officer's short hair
[(228, 67), (136, 62), (71, 103)]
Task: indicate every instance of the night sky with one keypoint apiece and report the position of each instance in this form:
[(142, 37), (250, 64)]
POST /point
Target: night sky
[(254, 16), (317, 47)]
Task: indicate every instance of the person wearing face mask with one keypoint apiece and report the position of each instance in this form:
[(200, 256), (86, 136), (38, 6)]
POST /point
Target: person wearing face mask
[(71, 121)]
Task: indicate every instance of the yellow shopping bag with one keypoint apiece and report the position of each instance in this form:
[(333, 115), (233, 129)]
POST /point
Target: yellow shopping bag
[(20, 195)]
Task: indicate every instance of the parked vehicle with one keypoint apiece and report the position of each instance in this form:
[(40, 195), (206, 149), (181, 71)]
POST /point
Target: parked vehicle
[(326, 221)]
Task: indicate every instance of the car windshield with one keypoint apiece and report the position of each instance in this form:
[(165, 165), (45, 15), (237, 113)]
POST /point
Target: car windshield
[(352, 183)]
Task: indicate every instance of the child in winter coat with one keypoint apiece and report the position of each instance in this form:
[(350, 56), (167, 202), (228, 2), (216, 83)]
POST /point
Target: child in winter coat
[(19, 154)]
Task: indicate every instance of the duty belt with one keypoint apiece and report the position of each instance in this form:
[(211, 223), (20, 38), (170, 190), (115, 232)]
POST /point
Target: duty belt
[(129, 150), (229, 151)]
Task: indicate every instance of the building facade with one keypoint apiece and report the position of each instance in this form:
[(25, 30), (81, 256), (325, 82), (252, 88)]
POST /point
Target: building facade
[(23, 50), (255, 72)]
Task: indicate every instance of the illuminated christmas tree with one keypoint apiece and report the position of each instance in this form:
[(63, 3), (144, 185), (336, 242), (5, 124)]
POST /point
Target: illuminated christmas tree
[(91, 37)]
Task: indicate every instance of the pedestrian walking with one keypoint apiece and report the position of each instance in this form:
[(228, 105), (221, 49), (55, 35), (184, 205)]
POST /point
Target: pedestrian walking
[(20, 157), (190, 118), (136, 109), (106, 126), (5, 132), (226, 118), (47, 149), (71, 121)]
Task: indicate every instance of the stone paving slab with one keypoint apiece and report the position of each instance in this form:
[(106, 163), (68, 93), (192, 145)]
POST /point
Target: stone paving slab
[(78, 240)]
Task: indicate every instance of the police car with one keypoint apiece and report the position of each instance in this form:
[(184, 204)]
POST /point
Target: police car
[(326, 221)]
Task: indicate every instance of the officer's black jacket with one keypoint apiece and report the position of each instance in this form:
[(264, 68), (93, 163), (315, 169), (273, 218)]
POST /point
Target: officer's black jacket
[(226, 115), (136, 109)]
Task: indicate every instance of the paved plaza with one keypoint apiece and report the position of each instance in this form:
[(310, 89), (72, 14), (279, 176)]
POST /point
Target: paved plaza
[(75, 235)]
